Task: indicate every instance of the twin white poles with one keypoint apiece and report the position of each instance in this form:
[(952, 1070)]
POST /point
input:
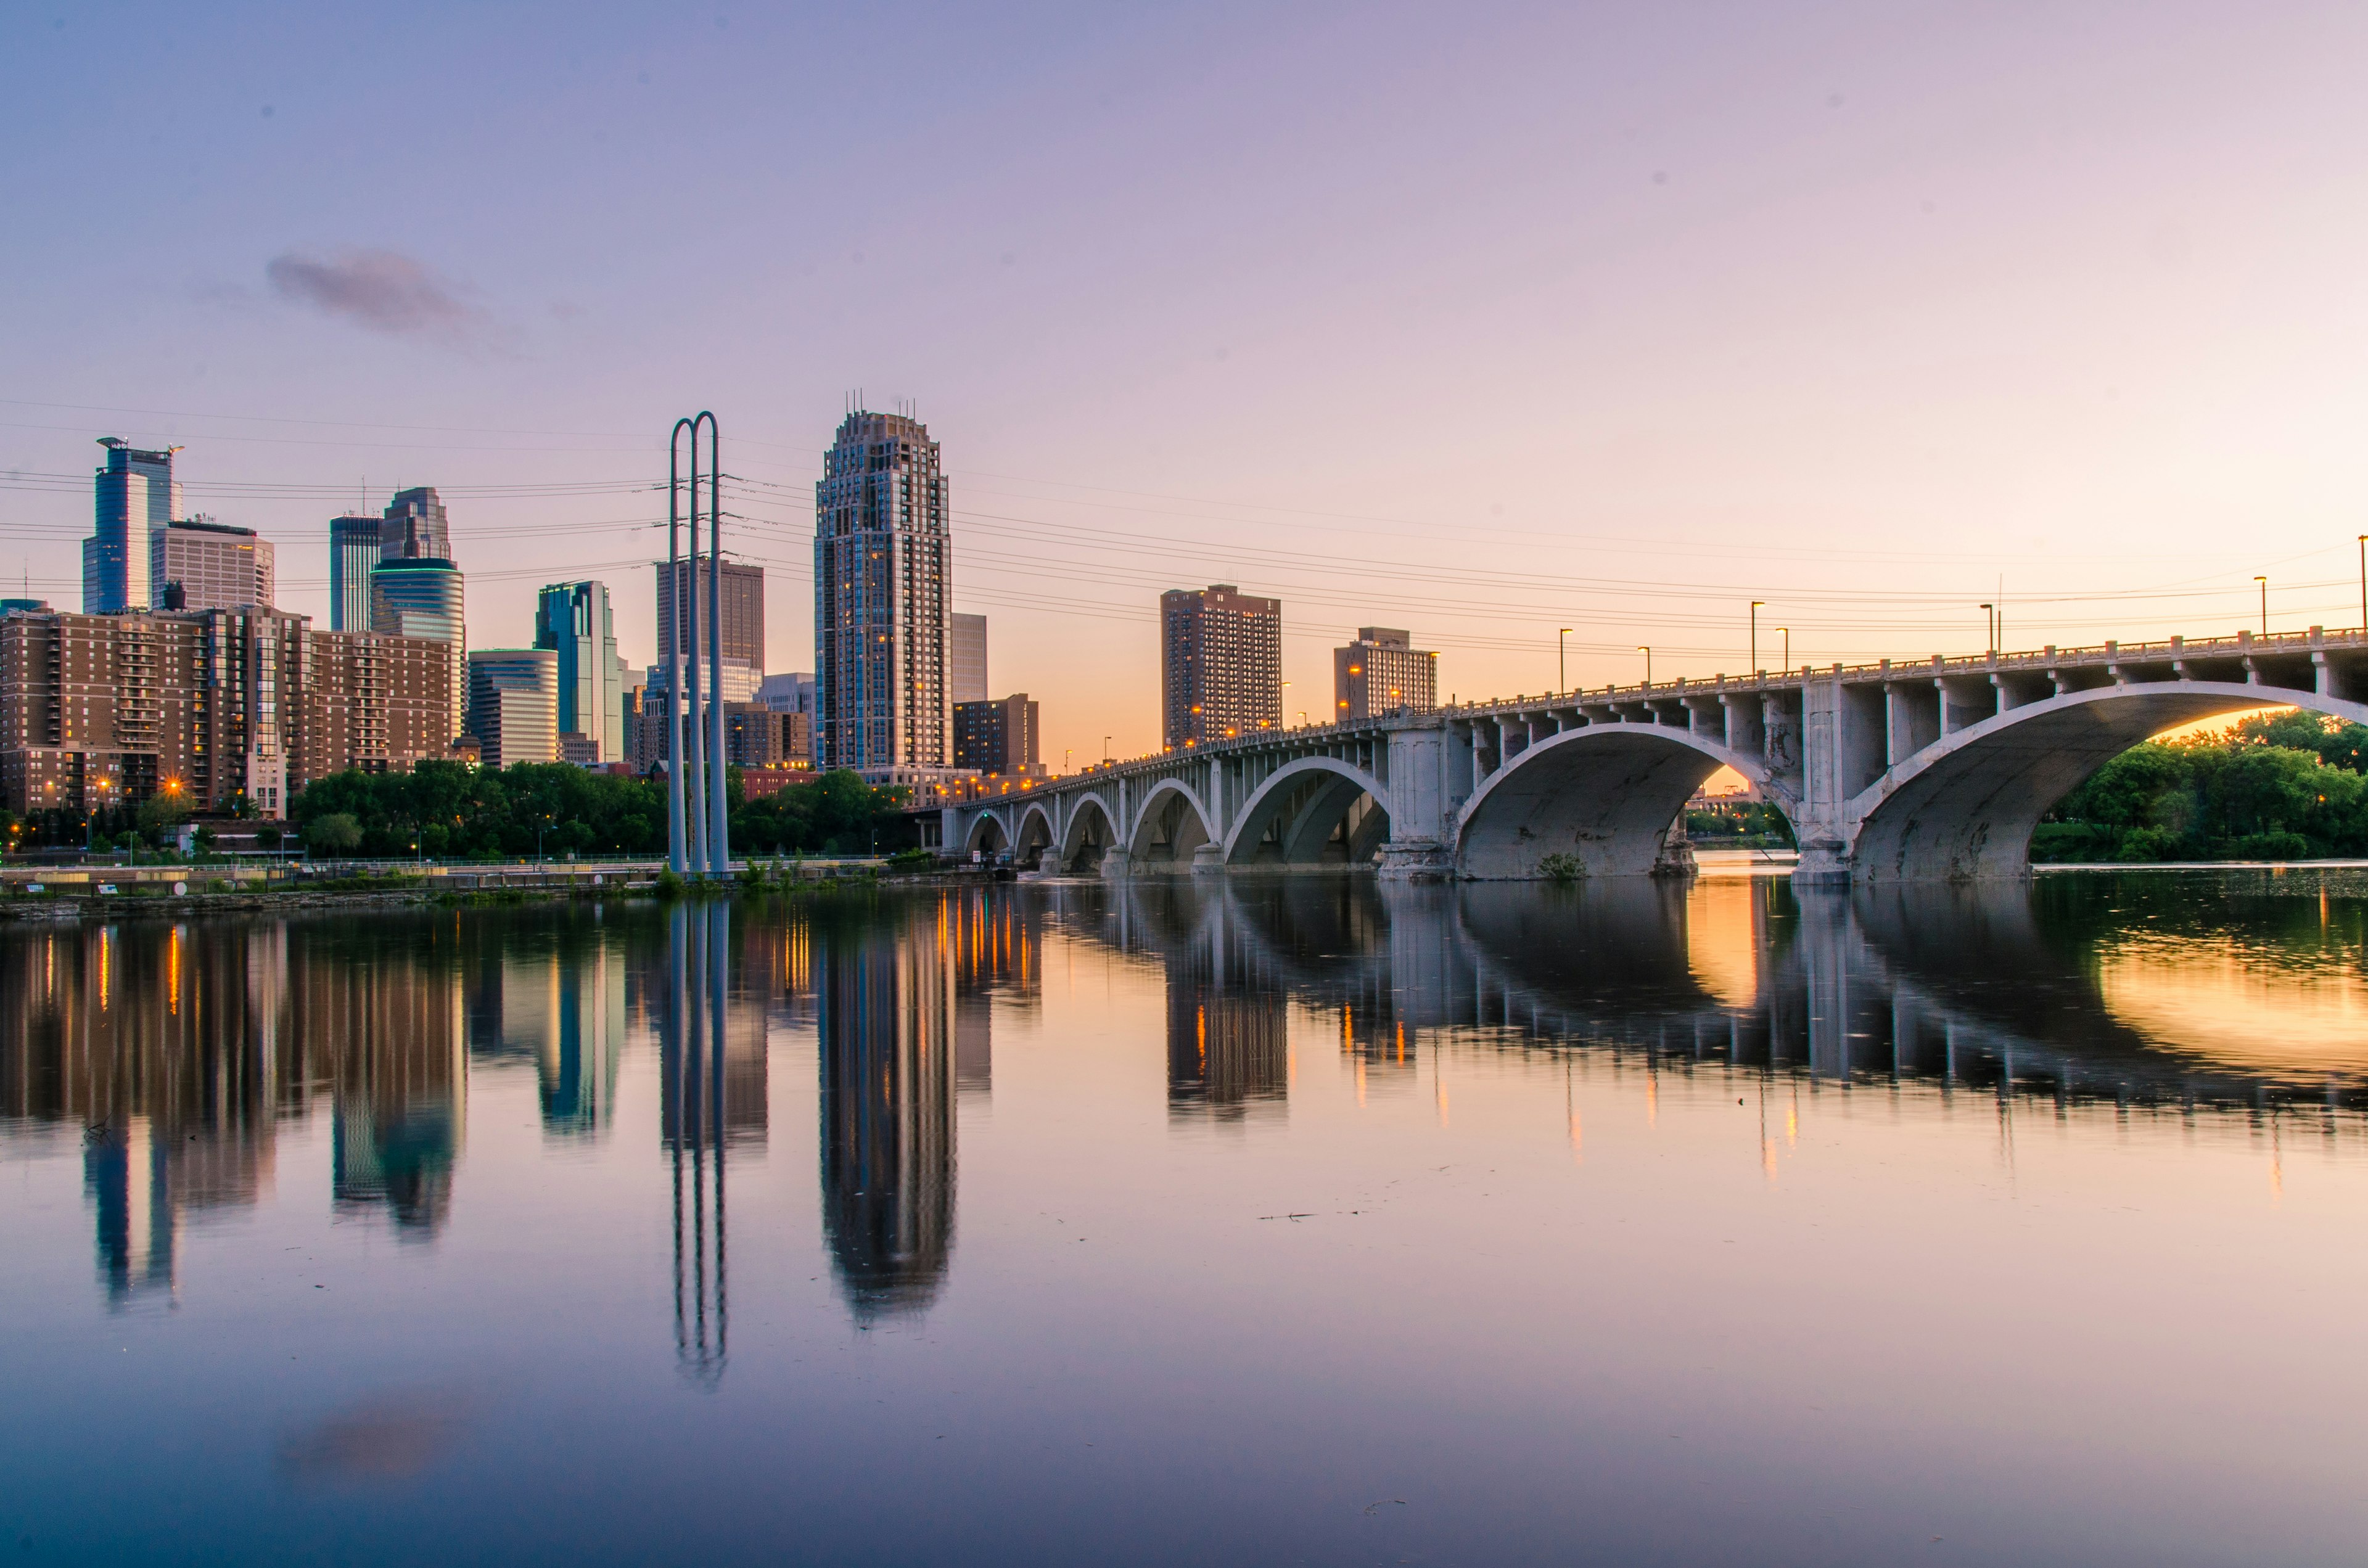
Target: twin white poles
[(699, 833)]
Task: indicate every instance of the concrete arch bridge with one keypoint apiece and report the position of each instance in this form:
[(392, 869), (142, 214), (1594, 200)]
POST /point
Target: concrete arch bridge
[(1935, 771)]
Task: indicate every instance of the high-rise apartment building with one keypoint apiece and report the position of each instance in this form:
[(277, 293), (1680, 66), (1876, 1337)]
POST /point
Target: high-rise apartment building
[(414, 527), (884, 572), (966, 658), (134, 493), (743, 624), (996, 737), (1381, 672), (422, 596), (793, 696), (1221, 665), (97, 710), (354, 548), (213, 566), (514, 705), (573, 621)]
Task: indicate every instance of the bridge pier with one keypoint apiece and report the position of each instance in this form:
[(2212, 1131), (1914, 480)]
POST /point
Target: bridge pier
[(1417, 860)]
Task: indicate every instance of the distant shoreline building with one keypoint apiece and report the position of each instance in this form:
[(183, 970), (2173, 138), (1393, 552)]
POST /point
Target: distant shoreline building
[(415, 527), (998, 737), (134, 493), (425, 597), (966, 658), (883, 574), (1380, 673), (355, 546), (742, 598), (514, 705), (573, 620), (1221, 665), (212, 565)]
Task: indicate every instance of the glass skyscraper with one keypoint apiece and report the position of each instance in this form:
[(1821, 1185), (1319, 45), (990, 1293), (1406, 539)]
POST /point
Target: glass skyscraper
[(884, 572), (354, 549), (414, 527), (573, 620), (423, 598), (135, 494)]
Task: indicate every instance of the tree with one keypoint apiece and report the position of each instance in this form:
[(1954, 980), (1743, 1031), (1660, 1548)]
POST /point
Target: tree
[(334, 833)]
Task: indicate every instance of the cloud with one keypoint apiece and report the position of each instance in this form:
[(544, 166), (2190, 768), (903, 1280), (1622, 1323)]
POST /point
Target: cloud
[(383, 291)]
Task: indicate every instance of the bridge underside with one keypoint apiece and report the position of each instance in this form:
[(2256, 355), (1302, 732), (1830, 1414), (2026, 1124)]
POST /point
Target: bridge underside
[(1604, 798)]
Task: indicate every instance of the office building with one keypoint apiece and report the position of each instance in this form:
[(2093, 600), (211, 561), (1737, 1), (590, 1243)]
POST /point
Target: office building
[(214, 566), (423, 596), (744, 613), (1221, 665), (514, 705), (573, 621), (354, 549), (794, 696), (1380, 673), (414, 527), (135, 494), (996, 737), (883, 570), (215, 705), (966, 658)]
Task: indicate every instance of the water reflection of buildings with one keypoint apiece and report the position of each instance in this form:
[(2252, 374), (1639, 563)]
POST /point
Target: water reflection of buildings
[(556, 1000), (905, 1012), (177, 1048)]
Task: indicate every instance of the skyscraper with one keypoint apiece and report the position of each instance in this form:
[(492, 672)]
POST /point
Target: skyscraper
[(414, 527), (966, 658), (998, 736), (216, 566), (423, 598), (884, 569), (744, 625), (1221, 665), (1381, 672), (573, 620), (135, 493), (354, 549), (514, 704)]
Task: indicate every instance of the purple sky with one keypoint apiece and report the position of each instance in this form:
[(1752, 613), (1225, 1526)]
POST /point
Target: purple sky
[(1477, 320)]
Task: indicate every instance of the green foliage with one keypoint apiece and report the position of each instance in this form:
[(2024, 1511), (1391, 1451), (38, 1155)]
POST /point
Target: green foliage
[(2282, 787), (333, 833), (1751, 823), (915, 860), (1560, 867), (837, 813), (669, 884)]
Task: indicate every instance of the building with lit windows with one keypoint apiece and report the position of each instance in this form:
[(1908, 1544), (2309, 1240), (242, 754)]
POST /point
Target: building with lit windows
[(1381, 672), (514, 705), (354, 549), (1221, 665), (884, 572)]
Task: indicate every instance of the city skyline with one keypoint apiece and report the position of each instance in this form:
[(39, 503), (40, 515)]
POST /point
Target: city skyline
[(1857, 320)]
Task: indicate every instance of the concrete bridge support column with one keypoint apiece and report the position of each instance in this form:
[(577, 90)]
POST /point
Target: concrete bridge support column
[(1429, 772)]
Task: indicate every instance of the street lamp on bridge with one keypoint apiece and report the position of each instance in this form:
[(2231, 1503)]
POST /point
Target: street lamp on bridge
[(1648, 662), (1788, 648), (1562, 661), (2264, 582), (1755, 633), (1990, 627)]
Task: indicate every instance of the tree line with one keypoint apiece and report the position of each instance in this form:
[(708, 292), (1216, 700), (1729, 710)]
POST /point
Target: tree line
[(2273, 787), (449, 810)]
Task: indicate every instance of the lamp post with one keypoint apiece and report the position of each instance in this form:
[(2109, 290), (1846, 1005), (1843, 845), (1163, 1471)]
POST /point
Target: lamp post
[(1649, 664), (1106, 756), (2363, 583), (1755, 634), (1562, 670), (1990, 627), (1788, 648), (2264, 582)]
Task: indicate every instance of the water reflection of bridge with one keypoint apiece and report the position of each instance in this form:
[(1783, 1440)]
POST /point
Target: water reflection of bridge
[(1964, 987)]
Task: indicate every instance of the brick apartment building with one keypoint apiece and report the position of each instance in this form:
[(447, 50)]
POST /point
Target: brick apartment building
[(101, 710)]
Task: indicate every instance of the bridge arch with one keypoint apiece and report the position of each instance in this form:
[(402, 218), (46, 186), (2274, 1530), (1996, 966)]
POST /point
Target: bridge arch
[(1034, 838), (1965, 807), (1091, 832), (988, 835), (1604, 795), (1170, 826), (1304, 804)]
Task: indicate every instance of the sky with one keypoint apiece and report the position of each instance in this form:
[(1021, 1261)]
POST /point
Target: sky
[(1480, 321)]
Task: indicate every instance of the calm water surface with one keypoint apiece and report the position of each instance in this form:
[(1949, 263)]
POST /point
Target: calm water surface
[(1284, 1222)]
